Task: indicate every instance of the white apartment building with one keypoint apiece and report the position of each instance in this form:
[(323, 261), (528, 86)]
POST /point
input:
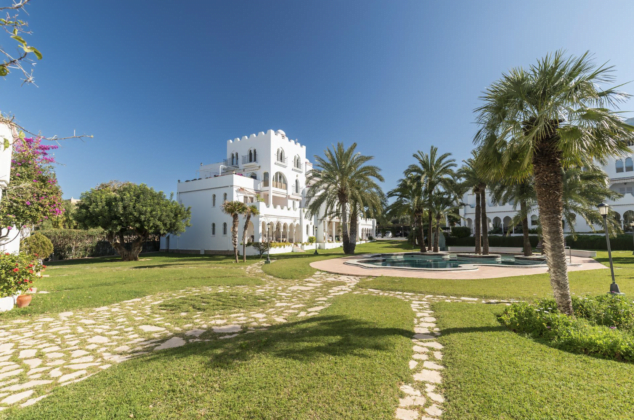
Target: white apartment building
[(621, 177), (270, 171)]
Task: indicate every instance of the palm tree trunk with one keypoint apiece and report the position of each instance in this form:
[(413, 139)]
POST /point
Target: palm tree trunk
[(354, 226), (547, 169), (528, 249), (421, 233), (244, 237), (234, 235), (485, 220), (344, 224), (429, 229), (437, 237), (478, 250)]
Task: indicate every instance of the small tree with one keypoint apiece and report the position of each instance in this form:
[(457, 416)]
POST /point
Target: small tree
[(249, 212), (133, 211), (234, 209), (37, 245)]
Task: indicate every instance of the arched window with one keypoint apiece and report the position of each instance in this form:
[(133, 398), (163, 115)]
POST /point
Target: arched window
[(213, 200), (224, 228), (307, 227), (225, 197), (237, 162), (279, 180), (297, 186), (213, 228), (619, 165), (255, 155), (280, 155), (297, 162), (629, 167), (250, 155)]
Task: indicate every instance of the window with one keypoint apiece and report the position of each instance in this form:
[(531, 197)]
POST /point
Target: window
[(297, 162), (280, 155), (250, 155), (629, 166), (297, 186), (534, 220), (307, 227), (255, 155), (628, 190), (225, 197), (213, 200), (224, 228), (279, 180), (253, 175), (619, 166), (213, 228)]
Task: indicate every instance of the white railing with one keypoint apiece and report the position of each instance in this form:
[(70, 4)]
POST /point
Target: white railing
[(246, 160)]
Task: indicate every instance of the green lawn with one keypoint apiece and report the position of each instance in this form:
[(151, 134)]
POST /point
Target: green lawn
[(347, 363), (521, 287), (297, 265), (102, 281), (493, 373)]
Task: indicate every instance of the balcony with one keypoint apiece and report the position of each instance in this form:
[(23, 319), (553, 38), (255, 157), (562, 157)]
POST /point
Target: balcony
[(227, 162), (252, 161), (282, 162), (274, 184)]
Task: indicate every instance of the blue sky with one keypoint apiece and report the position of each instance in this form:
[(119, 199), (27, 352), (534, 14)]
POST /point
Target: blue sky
[(163, 84)]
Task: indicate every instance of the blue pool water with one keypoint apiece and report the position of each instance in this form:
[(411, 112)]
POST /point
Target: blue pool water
[(433, 261)]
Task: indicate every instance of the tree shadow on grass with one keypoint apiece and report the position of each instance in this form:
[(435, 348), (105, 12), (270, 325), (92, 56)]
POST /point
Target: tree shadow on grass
[(306, 340)]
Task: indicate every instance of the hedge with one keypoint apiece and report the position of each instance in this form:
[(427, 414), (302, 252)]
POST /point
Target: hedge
[(506, 241), (76, 243), (586, 242)]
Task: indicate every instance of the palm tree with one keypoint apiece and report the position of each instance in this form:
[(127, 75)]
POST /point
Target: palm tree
[(509, 190), (554, 113), (366, 201), (472, 178), (434, 171), (443, 204), (234, 209), (249, 211), (335, 180), (409, 200)]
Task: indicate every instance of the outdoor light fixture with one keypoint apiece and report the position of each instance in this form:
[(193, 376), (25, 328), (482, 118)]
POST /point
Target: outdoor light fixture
[(315, 232), (268, 239), (632, 226), (604, 209)]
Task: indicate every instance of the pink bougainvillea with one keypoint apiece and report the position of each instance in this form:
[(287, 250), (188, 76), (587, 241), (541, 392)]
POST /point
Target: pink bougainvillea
[(33, 194)]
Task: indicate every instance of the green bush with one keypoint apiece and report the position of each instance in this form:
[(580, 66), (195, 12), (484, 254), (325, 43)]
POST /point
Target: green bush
[(37, 245), (620, 243), (603, 326), (312, 239), (505, 241), (461, 232)]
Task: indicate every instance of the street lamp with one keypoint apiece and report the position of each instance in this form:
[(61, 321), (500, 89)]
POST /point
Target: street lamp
[(604, 209), (268, 248), (315, 233)]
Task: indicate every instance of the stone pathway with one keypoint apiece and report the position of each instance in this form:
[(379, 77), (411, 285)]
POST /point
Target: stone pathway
[(49, 351)]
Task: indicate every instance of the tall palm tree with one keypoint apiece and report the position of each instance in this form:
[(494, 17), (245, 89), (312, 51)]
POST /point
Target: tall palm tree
[(366, 201), (553, 113), (434, 171), (517, 191), (249, 211), (472, 177), (444, 204), (409, 200), (335, 179), (234, 209)]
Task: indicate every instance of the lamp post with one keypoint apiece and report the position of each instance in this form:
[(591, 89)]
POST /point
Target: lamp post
[(268, 248), (632, 226), (315, 233), (604, 209)]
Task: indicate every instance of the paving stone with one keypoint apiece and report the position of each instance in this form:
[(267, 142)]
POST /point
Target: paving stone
[(80, 366), (33, 401), (12, 399), (227, 329), (55, 355), (171, 343), (70, 376), (409, 390), (78, 353), (432, 365), (33, 363), (194, 333), (411, 400), (413, 364), (419, 349), (151, 328), (436, 397), (10, 374), (55, 373), (50, 349), (84, 359), (24, 354), (434, 410), (30, 384), (403, 414), (420, 356), (428, 376), (98, 339), (432, 344)]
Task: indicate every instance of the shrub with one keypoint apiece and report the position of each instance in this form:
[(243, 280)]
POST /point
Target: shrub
[(506, 241), (370, 237), (603, 327), (620, 243), (461, 232), (261, 247), (37, 245), (17, 273), (312, 239)]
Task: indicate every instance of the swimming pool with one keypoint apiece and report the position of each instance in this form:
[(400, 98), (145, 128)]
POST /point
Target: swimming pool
[(445, 262)]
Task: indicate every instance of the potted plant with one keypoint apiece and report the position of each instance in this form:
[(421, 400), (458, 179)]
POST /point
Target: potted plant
[(17, 273)]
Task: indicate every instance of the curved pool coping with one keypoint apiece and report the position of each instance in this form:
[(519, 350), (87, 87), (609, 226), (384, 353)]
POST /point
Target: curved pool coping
[(339, 266)]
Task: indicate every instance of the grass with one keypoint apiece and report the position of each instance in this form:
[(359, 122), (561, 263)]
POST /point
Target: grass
[(347, 362), (493, 373), (97, 282), (521, 287), (214, 302), (297, 265)]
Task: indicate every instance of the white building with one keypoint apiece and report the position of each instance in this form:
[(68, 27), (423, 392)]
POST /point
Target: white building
[(10, 241), (621, 177), (268, 166)]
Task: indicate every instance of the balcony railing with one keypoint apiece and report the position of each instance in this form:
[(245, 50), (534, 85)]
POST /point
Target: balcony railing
[(274, 184), (282, 162), (246, 160), (227, 162)]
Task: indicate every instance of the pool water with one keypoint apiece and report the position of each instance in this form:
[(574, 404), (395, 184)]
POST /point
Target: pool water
[(433, 261)]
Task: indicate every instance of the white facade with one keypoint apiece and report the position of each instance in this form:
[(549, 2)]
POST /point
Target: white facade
[(268, 165), (621, 177), (10, 243)]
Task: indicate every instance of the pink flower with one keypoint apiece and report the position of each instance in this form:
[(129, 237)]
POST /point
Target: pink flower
[(28, 203)]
